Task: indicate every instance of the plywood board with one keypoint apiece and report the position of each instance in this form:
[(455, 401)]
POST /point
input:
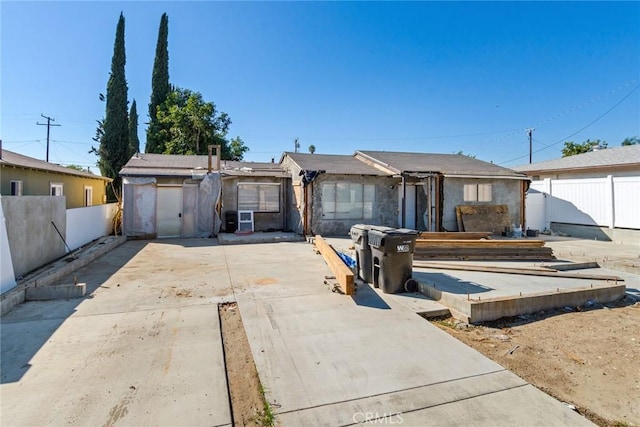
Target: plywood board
[(493, 218)]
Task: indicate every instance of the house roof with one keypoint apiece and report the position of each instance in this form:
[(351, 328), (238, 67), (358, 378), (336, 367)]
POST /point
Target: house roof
[(175, 165), (10, 158), (607, 158), (333, 163), (447, 164)]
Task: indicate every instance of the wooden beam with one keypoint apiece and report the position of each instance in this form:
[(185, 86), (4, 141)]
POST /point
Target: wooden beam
[(466, 243), (509, 270), (443, 235), (343, 274)]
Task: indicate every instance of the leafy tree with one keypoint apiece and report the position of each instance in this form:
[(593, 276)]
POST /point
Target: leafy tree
[(312, 148), (76, 167), (160, 89), (189, 124), (134, 141), (462, 153), (631, 141), (237, 149), (113, 131), (571, 148)]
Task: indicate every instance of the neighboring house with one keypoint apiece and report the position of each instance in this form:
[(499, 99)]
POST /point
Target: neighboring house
[(432, 185), (591, 195), (330, 193), (176, 196), (618, 161), (25, 176)]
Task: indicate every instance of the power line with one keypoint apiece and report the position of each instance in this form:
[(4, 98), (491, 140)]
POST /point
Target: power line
[(581, 129), (48, 125)]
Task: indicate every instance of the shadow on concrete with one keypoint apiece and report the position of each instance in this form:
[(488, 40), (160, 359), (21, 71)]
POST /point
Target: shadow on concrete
[(450, 284), (368, 297), (31, 324)]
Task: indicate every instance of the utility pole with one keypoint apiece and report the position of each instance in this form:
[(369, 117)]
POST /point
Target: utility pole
[(530, 133), (48, 125), (296, 144)]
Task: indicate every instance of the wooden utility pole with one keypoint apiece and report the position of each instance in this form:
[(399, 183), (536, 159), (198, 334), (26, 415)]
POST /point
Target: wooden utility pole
[(48, 125), (530, 133)]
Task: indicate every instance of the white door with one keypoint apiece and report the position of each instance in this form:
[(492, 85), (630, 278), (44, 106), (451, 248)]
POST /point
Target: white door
[(169, 211), (410, 207)]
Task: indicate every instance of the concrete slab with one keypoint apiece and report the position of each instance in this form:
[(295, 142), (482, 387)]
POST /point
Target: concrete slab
[(43, 293), (143, 348), (327, 359), (481, 296)]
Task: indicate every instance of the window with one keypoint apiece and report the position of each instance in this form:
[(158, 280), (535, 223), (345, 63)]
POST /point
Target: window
[(16, 188), (477, 192), (263, 197), (88, 195), (55, 189), (345, 200)]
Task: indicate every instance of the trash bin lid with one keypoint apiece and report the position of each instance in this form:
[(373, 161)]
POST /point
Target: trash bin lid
[(406, 231)]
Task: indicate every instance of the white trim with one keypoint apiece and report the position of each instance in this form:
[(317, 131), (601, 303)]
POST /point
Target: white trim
[(524, 178), (59, 185), (89, 202)]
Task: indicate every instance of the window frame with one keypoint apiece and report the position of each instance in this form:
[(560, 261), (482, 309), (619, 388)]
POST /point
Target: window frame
[(335, 209), (269, 205), (478, 192), (53, 185), (17, 183), (88, 201)]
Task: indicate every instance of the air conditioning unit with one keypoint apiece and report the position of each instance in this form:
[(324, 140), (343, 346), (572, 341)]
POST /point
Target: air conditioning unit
[(245, 221)]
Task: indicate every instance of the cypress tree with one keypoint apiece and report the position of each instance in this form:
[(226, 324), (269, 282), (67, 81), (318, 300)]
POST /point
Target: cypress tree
[(114, 143), (160, 88), (134, 141)]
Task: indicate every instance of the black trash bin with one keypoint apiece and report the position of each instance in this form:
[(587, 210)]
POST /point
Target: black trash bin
[(360, 236), (230, 221), (392, 257)]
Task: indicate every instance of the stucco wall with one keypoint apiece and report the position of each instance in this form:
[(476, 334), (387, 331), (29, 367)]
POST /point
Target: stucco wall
[(36, 183), (90, 223), (32, 239), (504, 192), (263, 221), (385, 207)]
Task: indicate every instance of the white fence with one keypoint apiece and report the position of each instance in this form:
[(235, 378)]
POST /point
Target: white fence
[(612, 202), (90, 223)]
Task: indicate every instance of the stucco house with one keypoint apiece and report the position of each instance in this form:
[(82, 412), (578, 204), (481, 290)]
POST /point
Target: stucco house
[(330, 193), (432, 185), (21, 175), (190, 195)]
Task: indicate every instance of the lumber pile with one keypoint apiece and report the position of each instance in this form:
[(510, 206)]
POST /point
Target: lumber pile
[(485, 249), (443, 235), (343, 274)]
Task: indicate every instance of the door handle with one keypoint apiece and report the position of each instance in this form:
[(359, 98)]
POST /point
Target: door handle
[(180, 215)]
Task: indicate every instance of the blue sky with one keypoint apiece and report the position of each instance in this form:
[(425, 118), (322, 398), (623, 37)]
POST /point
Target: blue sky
[(418, 76)]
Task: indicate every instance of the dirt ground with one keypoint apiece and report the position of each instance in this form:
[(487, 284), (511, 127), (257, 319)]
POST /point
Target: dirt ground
[(588, 357), (247, 398)]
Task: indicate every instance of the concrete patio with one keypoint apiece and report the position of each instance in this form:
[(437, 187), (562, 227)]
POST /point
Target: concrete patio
[(143, 348)]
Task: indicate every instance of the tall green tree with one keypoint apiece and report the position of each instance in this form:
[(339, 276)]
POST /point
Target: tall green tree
[(189, 124), (571, 148), (160, 89), (134, 141), (312, 148), (237, 149), (631, 141), (113, 131)]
